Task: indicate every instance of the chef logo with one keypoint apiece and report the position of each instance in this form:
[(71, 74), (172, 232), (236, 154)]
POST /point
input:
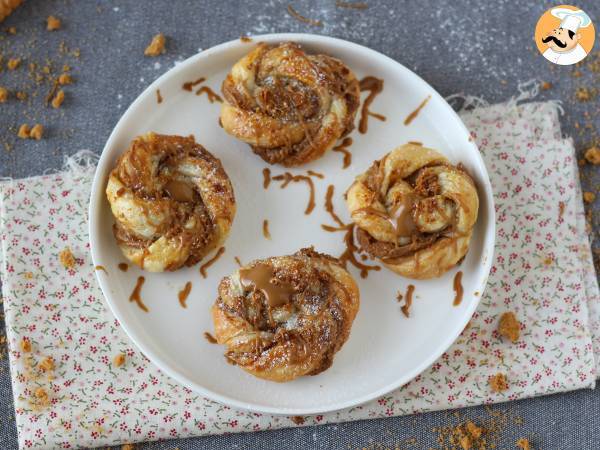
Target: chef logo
[(564, 35)]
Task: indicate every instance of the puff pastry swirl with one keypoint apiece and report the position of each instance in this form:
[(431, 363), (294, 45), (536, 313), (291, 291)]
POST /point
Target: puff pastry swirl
[(291, 107), (284, 317), (414, 211), (172, 201)]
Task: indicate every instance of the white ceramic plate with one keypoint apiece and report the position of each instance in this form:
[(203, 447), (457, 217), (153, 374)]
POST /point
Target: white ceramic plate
[(385, 350)]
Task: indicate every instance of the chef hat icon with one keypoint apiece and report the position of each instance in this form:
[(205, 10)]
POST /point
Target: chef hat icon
[(571, 19)]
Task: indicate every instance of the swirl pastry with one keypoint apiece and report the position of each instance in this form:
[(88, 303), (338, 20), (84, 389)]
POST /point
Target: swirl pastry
[(172, 201), (286, 316), (289, 106), (414, 211)]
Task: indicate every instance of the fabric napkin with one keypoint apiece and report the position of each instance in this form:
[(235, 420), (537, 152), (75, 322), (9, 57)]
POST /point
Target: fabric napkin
[(542, 271)]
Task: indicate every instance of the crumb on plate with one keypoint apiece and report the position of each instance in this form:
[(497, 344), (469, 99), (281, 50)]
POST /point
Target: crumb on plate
[(66, 258), (156, 46)]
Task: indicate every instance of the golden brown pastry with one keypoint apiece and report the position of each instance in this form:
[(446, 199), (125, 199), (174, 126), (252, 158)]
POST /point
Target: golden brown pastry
[(7, 7), (286, 316), (172, 201), (414, 211), (289, 106)]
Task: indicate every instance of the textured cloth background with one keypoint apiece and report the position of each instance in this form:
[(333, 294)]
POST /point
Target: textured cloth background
[(542, 271)]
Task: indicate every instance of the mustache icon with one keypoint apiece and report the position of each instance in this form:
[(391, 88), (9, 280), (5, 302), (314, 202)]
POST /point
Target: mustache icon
[(555, 40)]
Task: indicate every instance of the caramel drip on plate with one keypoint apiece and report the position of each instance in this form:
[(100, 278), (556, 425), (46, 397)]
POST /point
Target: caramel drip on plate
[(287, 178), (296, 15), (408, 298), (374, 86), (212, 95), (265, 229), (123, 267), (343, 148), (211, 261), (245, 39), (187, 86), (135, 295), (210, 338), (183, 294), (458, 288), (101, 268), (159, 98), (315, 174), (349, 254), (329, 206), (416, 112), (261, 278), (266, 177), (237, 260), (350, 5)]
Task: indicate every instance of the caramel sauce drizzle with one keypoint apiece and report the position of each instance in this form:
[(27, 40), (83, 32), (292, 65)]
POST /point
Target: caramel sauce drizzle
[(101, 268), (350, 5), (458, 288), (416, 112), (159, 98), (123, 267), (210, 338), (374, 86), (408, 298), (211, 261), (265, 229), (187, 86), (183, 294), (329, 206), (318, 175), (343, 148), (266, 177), (287, 178), (212, 95), (261, 278), (135, 295), (245, 39), (237, 260), (296, 15)]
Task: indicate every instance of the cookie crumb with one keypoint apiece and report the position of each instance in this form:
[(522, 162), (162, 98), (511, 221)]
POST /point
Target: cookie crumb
[(58, 99), (65, 78), (36, 132), (473, 430), (127, 447), (25, 345), (509, 326), (592, 155), (546, 85), (584, 94), (589, 197), (298, 420), (465, 442), (53, 23), (498, 383), (47, 364), (523, 444), (21, 95), (119, 360), (24, 131), (3, 94), (66, 258), (13, 63), (157, 46)]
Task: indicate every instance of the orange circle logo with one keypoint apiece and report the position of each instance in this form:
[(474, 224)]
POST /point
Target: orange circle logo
[(564, 35)]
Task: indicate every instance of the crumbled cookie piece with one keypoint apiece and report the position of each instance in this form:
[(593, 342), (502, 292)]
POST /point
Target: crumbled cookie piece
[(524, 444), (21, 95), (11, 30), (3, 94), (53, 23), (13, 63), (473, 430), (589, 197), (157, 45), (592, 155), (498, 383), (546, 85), (24, 131), (36, 132), (66, 258), (119, 360), (47, 364), (7, 7), (65, 78), (25, 345), (509, 326), (584, 94), (128, 447), (58, 99)]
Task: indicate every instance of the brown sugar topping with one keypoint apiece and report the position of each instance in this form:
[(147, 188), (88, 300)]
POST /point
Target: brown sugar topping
[(66, 258), (498, 383), (156, 46), (53, 23), (509, 326)]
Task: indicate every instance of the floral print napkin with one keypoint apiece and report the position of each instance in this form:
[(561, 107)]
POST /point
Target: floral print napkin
[(543, 272)]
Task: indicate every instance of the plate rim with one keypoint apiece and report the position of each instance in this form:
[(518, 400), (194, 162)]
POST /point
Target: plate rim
[(488, 247)]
